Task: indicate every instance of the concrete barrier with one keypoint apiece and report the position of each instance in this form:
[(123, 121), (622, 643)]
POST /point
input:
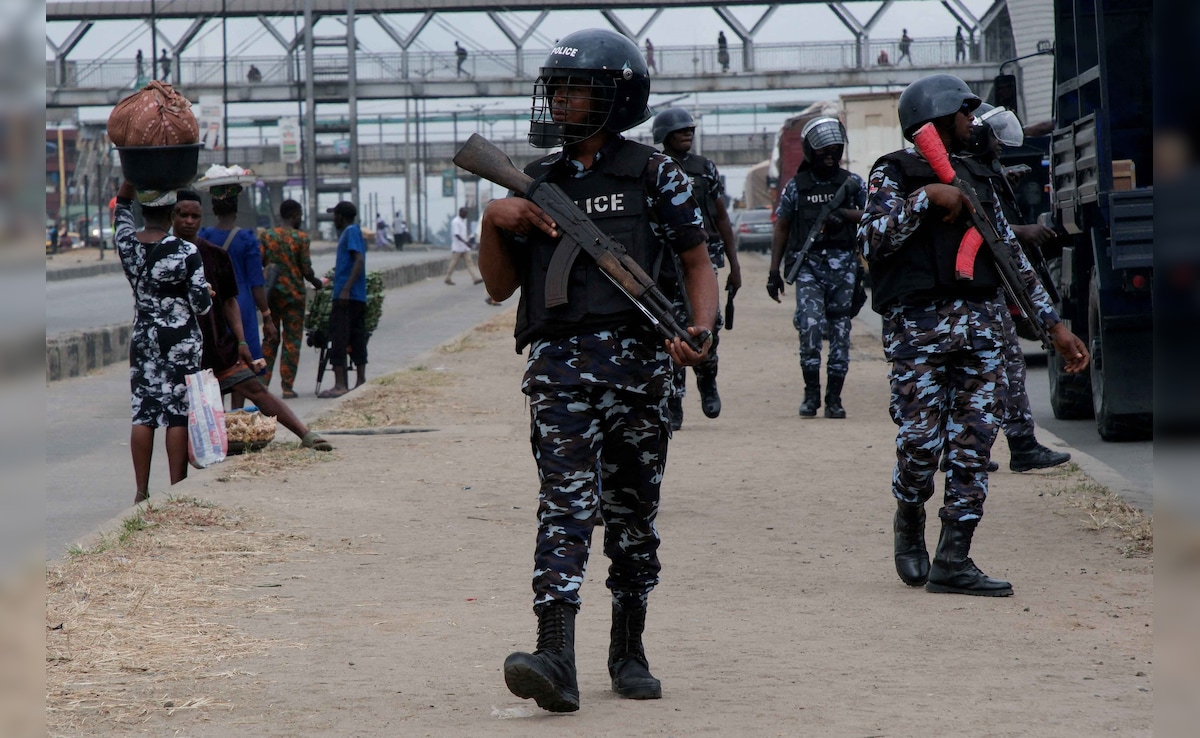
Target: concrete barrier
[(77, 353)]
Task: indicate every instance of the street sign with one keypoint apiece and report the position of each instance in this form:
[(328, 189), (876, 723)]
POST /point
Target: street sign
[(289, 140), (447, 183), (212, 122)]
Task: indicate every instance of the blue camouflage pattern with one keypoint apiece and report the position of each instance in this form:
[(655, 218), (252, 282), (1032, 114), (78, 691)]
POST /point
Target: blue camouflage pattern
[(1017, 417), (824, 292), (599, 427), (947, 379), (599, 451)]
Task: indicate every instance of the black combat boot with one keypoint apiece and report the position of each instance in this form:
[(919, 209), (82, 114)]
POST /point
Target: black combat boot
[(675, 412), (833, 396), (548, 674), (710, 401), (912, 558), (627, 665), (812, 393), (954, 571), (1026, 453)]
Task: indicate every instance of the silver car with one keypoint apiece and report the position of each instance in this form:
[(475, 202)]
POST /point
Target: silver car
[(753, 230)]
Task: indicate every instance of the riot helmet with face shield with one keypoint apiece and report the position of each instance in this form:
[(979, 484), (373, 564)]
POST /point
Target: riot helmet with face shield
[(819, 134), (592, 80)]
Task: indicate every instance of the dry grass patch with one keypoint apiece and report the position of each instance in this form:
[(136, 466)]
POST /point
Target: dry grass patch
[(138, 627), (276, 457), (391, 400), (1104, 510)]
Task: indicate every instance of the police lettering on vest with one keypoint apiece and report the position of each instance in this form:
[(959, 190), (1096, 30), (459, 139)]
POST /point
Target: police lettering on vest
[(600, 204)]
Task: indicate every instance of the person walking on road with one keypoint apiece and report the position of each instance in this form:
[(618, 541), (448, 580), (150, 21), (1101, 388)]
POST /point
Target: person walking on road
[(598, 375), (348, 315), (225, 350), (287, 248), (943, 336), (170, 298), (829, 274), (905, 46), (381, 233), (461, 245), (400, 235), (675, 129)]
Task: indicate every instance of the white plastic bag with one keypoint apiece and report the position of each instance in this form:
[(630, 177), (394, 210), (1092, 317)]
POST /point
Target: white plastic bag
[(207, 440)]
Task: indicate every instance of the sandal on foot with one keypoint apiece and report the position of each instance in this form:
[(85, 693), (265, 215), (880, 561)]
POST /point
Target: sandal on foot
[(289, 395), (315, 442), (329, 394)]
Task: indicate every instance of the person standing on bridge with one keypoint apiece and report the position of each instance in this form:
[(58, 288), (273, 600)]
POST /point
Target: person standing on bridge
[(139, 67), (675, 129), (905, 46), (165, 62), (461, 55), (828, 276), (960, 46), (943, 335), (650, 57), (722, 51), (598, 375)]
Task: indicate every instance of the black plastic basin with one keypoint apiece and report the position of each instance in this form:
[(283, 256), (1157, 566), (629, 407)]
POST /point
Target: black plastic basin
[(160, 167)]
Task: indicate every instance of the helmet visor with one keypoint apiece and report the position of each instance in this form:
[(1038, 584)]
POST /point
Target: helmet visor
[(824, 132), (1005, 124), (567, 109)]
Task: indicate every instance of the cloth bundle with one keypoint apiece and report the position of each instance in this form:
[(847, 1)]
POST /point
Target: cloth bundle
[(156, 115)]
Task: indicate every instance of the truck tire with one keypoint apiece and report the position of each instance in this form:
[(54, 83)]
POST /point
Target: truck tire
[(1070, 394), (1111, 427)]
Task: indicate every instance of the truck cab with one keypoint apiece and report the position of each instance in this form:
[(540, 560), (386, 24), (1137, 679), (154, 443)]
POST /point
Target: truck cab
[(1101, 188)]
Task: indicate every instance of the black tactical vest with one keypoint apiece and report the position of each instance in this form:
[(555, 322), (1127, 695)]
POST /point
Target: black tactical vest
[(923, 269), (693, 165), (811, 196), (613, 195)]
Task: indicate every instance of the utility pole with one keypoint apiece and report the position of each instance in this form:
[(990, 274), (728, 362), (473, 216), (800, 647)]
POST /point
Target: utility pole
[(310, 120)]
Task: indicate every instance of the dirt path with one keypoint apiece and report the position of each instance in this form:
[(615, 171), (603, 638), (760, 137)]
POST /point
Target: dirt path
[(779, 613)]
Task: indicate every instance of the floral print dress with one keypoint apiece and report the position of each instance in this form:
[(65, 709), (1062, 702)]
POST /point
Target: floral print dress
[(169, 292)]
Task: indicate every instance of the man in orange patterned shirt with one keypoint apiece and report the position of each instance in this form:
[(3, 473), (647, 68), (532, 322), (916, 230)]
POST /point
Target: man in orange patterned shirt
[(288, 247)]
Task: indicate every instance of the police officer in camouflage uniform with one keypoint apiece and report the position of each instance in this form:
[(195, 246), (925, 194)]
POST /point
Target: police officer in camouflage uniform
[(1000, 128), (827, 278), (598, 376), (675, 129), (944, 336)]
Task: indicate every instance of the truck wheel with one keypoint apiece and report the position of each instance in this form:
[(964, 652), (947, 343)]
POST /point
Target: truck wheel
[(1070, 394), (1110, 426)]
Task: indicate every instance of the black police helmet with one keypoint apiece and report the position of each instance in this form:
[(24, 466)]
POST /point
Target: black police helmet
[(669, 121), (820, 133), (612, 69), (933, 97)]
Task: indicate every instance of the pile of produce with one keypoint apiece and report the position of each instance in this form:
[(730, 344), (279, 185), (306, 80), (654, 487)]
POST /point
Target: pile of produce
[(251, 428), (317, 318)]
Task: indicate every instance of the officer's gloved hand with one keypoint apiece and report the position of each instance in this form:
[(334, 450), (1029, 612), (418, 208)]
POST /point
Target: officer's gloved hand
[(774, 284)]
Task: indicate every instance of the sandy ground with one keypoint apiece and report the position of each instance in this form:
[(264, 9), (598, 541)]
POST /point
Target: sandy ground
[(779, 612)]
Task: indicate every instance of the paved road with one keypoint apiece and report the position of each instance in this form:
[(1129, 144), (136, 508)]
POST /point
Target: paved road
[(89, 475), (91, 302)]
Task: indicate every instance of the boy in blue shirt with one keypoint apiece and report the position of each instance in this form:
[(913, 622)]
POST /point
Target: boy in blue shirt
[(347, 317)]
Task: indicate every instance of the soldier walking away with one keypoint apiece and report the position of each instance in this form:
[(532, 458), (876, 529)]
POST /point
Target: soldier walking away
[(905, 45), (598, 375), (943, 335), (165, 62), (1001, 127), (675, 129), (830, 270), (722, 51), (461, 54)]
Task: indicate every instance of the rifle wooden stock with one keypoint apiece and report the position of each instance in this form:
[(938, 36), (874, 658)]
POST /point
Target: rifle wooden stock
[(479, 156)]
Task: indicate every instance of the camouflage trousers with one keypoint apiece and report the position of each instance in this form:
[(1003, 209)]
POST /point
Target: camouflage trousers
[(824, 292), (708, 367), (288, 316), (946, 398), (599, 451), (1016, 418)]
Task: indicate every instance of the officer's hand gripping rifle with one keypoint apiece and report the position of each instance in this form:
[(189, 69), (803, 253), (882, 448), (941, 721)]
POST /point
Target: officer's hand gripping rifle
[(834, 203), (929, 143), (479, 156)]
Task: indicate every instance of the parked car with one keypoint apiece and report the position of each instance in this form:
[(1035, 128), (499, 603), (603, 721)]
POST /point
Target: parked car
[(753, 230), (98, 231)]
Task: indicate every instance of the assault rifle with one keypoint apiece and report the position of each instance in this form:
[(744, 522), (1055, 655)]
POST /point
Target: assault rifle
[(818, 225), (929, 143), (479, 156)]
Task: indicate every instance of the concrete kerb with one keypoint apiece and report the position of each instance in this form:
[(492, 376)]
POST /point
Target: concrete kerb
[(75, 354)]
